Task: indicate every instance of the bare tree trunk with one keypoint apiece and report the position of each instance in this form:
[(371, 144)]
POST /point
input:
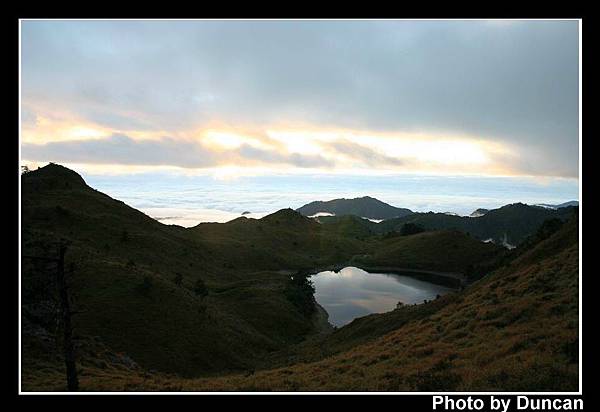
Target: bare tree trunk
[(69, 351)]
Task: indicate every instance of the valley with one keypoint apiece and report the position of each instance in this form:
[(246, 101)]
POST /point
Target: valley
[(143, 325)]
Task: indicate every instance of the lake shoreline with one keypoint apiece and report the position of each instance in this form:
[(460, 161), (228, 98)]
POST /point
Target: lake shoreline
[(449, 279)]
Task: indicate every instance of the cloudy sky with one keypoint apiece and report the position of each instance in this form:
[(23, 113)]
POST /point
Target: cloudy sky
[(334, 97)]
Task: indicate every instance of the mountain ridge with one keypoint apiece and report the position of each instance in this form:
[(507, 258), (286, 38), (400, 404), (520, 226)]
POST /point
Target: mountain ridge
[(559, 206)]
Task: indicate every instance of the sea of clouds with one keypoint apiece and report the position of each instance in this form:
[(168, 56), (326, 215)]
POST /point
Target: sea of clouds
[(188, 200)]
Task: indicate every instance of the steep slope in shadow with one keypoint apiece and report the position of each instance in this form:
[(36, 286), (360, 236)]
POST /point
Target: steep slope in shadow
[(134, 282)]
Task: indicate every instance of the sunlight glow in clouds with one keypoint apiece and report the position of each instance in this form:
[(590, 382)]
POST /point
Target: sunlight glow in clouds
[(232, 98), (77, 133), (234, 153), (439, 151), (49, 129)]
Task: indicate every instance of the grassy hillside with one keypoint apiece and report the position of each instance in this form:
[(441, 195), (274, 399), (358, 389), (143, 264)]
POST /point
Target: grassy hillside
[(514, 330), (349, 225), (448, 251), (142, 325), (282, 240)]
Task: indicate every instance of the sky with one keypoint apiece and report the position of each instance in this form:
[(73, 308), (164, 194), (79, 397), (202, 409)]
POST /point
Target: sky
[(234, 99)]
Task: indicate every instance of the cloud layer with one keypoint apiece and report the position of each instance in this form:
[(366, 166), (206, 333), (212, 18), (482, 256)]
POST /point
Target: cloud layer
[(514, 84), (121, 149)]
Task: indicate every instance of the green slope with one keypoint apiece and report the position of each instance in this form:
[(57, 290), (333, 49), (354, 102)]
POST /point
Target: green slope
[(132, 308)]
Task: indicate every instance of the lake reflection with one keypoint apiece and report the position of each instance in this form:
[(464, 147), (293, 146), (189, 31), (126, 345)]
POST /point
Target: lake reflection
[(352, 292)]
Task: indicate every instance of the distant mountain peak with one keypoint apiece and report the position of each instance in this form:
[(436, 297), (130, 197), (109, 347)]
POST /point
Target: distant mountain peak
[(288, 215), (479, 212), (366, 207)]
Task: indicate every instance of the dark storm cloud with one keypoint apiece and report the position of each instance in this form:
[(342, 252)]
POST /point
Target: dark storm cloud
[(509, 82)]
